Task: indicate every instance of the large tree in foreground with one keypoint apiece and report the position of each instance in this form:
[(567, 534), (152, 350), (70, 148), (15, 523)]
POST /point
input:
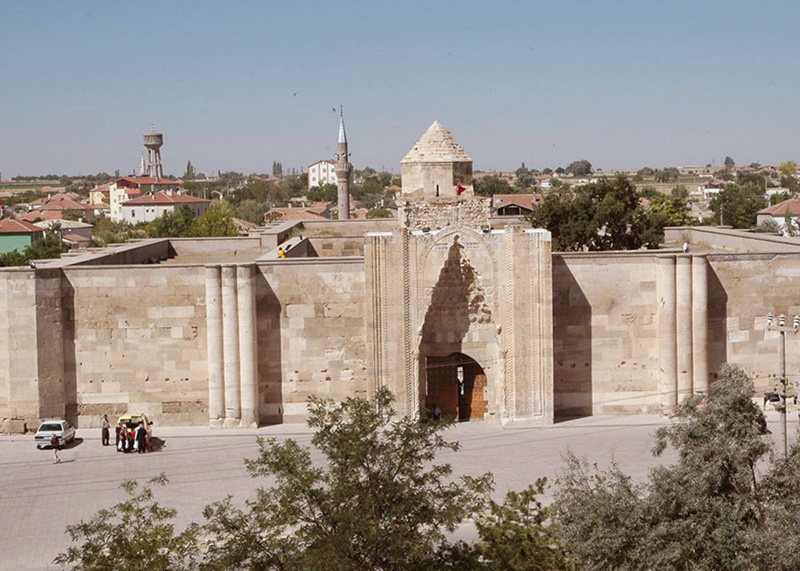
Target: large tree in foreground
[(136, 535), (725, 504), (379, 499)]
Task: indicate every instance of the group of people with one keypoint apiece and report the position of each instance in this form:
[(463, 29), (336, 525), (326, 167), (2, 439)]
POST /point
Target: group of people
[(133, 438)]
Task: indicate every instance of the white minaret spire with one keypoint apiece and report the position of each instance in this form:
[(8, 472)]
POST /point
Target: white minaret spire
[(343, 171), (342, 134)]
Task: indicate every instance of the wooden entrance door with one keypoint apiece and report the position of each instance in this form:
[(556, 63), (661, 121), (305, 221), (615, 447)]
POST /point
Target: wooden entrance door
[(461, 399)]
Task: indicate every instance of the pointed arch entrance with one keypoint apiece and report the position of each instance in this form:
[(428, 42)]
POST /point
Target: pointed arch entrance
[(456, 383)]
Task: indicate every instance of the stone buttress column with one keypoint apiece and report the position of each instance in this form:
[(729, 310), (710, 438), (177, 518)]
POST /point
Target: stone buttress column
[(216, 387), (230, 346), (248, 362), (683, 324), (700, 322), (667, 344)]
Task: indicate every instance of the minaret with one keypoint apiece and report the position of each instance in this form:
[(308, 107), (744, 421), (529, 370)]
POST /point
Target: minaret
[(343, 171)]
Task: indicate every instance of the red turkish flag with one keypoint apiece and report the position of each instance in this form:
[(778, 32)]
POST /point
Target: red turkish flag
[(459, 190)]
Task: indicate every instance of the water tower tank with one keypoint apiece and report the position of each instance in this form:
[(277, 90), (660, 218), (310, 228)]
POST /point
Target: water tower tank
[(153, 140)]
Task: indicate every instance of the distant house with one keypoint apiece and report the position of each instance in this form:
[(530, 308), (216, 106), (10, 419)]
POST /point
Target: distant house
[(154, 205), (74, 234), (322, 172), (101, 194), (779, 213), (18, 235), (130, 187), (515, 204)]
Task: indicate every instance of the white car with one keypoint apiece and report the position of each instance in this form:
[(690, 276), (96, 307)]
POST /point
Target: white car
[(61, 428)]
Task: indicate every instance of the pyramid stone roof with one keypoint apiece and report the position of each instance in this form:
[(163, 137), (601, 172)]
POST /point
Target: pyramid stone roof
[(436, 146)]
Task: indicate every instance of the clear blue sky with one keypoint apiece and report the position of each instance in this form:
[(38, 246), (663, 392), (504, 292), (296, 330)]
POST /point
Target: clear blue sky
[(238, 85)]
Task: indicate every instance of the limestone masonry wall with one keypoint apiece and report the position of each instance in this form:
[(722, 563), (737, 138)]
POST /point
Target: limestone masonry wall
[(19, 397), (135, 341), (311, 335), (605, 354), (472, 213), (632, 331), (743, 289), (327, 246)]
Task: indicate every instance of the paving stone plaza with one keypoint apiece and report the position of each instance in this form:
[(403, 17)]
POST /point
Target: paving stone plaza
[(39, 498)]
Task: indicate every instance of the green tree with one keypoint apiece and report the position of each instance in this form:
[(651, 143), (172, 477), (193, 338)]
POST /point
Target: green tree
[(251, 210), (277, 169), (669, 174), (380, 501), (379, 213), (671, 210), (525, 177), (13, 258), (135, 535), (739, 205), (788, 168), (724, 505), (296, 184), (172, 224), (600, 216), (769, 226), (516, 534), (580, 168), (48, 247), (323, 193), (729, 163), (492, 184), (216, 221), (261, 191), (189, 174), (107, 231)]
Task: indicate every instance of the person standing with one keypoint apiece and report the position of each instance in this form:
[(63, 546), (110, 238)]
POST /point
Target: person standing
[(54, 446), (104, 435), (141, 438), (120, 437)]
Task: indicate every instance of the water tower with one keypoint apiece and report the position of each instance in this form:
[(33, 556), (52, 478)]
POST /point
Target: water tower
[(153, 142)]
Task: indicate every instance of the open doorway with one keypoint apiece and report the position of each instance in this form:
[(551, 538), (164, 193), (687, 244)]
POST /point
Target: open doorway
[(456, 383)]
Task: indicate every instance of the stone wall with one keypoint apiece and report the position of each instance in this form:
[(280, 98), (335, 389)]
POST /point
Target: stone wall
[(473, 213), (632, 331), (743, 290), (19, 357), (725, 238), (135, 341), (326, 246), (605, 349), (345, 228), (310, 334)]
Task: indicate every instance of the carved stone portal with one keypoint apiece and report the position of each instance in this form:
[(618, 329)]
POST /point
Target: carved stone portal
[(464, 317)]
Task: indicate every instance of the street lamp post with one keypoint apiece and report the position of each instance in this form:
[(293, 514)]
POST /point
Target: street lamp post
[(782, 329)]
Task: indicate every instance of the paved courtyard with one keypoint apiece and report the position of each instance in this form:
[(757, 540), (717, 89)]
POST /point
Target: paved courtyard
[(38, 499)]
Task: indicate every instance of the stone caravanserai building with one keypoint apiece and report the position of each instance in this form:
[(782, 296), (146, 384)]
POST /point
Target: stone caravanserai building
[(445, 305)]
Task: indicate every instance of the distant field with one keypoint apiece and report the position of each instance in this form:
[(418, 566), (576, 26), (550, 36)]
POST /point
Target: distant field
[(24, 186), (690, 182)]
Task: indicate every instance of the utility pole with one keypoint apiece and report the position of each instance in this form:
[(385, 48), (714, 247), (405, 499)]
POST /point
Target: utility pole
[(782, 329)]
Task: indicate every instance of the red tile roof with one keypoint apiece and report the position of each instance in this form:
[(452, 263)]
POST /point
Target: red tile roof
[(61, 203), (790, 207), (162, 197), (12, 226), (148, 180), (527, 201), (76, 238)]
